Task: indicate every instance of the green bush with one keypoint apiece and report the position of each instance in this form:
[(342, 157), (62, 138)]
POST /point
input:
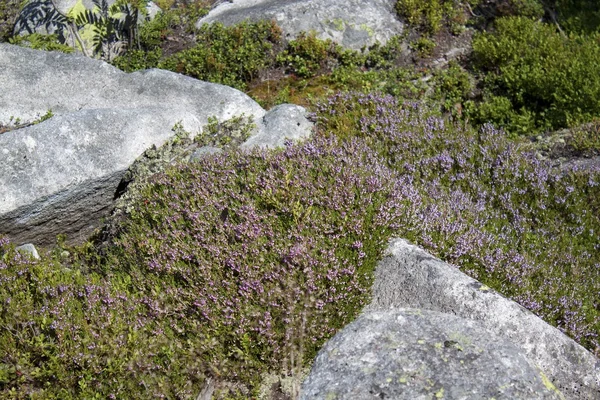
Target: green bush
[(536, 77), (41, 42), (423, 46), (306, 54), (229, 55), (577, 15), (431, 15), (135, 60), (152, 35), (452, 87), (523, 8)]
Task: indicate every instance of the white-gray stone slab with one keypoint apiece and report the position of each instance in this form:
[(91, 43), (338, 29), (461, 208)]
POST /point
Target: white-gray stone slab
[(410, 277), (351, 23)]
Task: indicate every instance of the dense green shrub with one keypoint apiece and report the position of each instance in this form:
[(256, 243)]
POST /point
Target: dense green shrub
[(423, 46), (431, 15), (577, 15), (537, 78), (41, 42), (151, 37), (306, 54), (505, 8), (228, 55), (452, 86)]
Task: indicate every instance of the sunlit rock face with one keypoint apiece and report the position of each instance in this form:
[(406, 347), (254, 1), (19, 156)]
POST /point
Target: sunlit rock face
[(352, 23)]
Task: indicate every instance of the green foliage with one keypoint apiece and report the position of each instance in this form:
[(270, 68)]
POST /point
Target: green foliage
[(427, 15), (9, 12), (41, 42), (423, 46), (524, 8), (152, 35), (71, 335), (452, 86), (135, 60), (431, 15), (537, 78), (577, 15), (306, 54), (228, 55)]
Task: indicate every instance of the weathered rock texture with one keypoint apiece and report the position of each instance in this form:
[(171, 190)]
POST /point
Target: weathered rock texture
[(417, 354), (61, 175), (351, 23), (410, 277)]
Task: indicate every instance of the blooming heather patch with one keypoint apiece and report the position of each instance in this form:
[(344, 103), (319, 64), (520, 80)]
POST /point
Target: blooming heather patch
[(68, 335), (477, 200), (253, 260)]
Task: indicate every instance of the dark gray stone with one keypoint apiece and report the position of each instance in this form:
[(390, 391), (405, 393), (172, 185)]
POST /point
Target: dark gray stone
[(351, 23), (410, 277), (418, 354)]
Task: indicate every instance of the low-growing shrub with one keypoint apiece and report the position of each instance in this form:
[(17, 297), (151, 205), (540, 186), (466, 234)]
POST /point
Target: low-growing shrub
[(551, 81), (431, 15), (453, 86), (41, 42), (423, 46), (577, 15), (229, 55), (307, 54), (506, 8), (69, 335)]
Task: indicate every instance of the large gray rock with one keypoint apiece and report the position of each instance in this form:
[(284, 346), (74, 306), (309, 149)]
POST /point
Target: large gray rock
[(417, 354), (410, 277), (61, 175), (351, 23)]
